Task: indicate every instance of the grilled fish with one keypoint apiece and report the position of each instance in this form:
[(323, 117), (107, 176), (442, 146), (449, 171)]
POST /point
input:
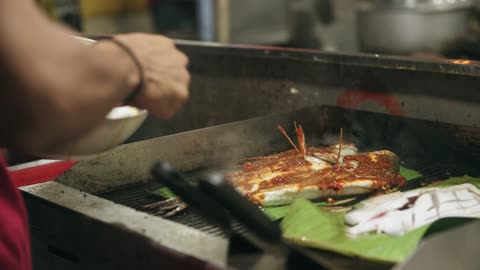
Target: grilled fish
[(316, 172)]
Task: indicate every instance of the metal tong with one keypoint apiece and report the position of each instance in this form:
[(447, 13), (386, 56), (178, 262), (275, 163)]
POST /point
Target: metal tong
[(218, 202)]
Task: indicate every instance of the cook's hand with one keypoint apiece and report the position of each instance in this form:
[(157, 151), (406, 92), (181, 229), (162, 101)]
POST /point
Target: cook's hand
[(165, 73)]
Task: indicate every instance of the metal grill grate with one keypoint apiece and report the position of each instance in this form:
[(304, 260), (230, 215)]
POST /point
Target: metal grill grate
[(136, 196)]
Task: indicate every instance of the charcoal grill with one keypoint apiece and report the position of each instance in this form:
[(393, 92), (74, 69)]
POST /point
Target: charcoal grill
[(93, 215)]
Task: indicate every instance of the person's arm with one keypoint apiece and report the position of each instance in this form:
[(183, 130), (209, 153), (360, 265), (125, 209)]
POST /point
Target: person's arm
[(54, 88)]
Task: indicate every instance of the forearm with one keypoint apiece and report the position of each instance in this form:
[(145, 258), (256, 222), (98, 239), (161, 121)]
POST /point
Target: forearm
[(54, 87)]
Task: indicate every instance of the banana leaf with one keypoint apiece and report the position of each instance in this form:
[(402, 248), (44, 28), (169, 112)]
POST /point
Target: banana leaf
[(452, 181), (409, 174), (308, 225), (164, 192), (278, 212)]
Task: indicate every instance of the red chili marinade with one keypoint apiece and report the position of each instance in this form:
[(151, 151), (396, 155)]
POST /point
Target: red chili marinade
[(296, 171)]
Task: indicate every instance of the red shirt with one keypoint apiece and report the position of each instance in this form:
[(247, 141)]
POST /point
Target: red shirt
[(14, 234)]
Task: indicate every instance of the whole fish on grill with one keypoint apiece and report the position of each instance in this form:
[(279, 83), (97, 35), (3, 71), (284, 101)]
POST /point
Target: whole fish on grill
[(315, 172)]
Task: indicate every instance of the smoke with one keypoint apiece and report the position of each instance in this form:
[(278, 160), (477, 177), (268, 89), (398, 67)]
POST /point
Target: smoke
[(330, 139), (412, 140), (245, 139)]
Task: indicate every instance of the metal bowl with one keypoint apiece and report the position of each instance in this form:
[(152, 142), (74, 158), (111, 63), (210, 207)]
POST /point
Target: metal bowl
[(405, 27), (117, 127)]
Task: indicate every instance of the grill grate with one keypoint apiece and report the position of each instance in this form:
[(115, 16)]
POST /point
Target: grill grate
[(137, 196)]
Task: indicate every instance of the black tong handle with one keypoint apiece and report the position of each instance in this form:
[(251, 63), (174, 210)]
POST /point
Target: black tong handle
[(215, 186), (212, 196), (217, 200), (191, 194)]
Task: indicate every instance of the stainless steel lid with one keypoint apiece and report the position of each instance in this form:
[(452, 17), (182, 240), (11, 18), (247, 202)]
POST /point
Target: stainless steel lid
[(420, 4)]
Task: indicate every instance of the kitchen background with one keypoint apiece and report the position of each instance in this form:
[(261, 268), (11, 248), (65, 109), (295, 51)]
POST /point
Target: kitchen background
[(423, 28)]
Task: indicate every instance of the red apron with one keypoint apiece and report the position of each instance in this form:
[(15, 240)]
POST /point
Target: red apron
[(14, 234)]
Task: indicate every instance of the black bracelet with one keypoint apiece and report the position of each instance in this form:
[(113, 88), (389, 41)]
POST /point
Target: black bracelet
[(135, 60)]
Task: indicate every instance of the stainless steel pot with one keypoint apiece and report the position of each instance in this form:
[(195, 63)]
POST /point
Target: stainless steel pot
[(410, 26)]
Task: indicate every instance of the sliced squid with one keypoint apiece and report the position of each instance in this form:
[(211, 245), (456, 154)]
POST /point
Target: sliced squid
[(398, 213)]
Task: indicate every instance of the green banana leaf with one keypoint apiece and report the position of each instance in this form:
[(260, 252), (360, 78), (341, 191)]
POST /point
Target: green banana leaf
[(308, 225), (164, 192), (452, 181), (278, 212), (409, 174)]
